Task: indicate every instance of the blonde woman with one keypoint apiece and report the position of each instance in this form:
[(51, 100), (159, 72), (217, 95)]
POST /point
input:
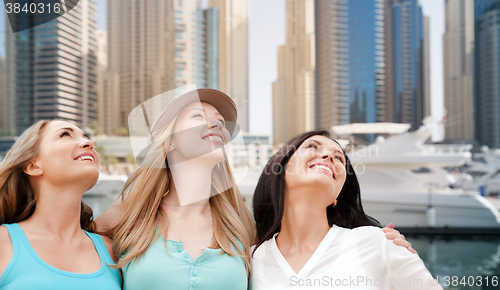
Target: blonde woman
[(179, 224), (45, 237)]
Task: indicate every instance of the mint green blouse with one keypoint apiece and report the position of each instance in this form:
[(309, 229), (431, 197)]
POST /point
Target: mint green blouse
[(159, 269)]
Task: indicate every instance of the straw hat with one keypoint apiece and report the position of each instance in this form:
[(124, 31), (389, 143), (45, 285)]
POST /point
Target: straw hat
[(222, 102)]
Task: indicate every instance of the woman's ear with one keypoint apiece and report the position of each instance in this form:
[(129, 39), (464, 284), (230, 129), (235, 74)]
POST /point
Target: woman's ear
[(171, 147), (33, 169)]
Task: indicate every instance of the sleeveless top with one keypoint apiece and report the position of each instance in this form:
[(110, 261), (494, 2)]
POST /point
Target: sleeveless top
[(26, 270), (174, 269)]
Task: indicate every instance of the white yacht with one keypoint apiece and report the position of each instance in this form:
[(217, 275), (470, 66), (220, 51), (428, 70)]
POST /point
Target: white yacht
[(403, 181), (485, 168)]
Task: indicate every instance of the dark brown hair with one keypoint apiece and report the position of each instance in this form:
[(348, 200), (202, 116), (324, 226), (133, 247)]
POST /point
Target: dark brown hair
[(269, 196)]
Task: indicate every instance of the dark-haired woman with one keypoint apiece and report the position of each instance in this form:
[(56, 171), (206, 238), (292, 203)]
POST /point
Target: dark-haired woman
[(313, 232), (45, 237)]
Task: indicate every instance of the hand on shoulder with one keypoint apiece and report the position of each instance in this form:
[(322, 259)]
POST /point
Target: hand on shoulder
[(6, 248)]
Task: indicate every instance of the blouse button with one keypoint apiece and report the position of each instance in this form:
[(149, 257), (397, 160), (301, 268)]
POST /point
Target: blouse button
[(195, 273), (193, 284), (196, 263), (186, 255)]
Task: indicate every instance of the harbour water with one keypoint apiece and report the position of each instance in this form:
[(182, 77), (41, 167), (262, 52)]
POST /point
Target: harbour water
[(472, 259)]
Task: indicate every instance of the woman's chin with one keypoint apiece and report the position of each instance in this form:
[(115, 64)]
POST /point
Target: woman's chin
[(90, 179)]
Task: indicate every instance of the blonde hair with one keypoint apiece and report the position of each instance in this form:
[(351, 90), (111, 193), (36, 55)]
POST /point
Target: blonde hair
[(142, 196), (17, 196)]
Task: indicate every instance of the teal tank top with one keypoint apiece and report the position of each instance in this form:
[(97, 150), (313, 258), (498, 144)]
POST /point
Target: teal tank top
[(26, 270), (159, 269)]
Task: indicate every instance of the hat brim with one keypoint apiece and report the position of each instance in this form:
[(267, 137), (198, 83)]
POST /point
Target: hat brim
[(222, 102)]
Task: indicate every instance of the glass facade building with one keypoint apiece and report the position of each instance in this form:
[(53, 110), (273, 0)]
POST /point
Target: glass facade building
[(196, 46), (332, 63), (3, 111), (369, 62), (205, 48), (52, 69), (487, 72), (405, 40), (366, 61)]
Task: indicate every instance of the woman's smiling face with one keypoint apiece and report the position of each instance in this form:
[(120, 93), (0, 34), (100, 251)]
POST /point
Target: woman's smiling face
[(67, 155), (318, 165), (199, 130)]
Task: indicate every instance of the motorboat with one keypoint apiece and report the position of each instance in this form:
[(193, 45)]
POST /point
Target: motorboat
[(403, 181), (484, 167)]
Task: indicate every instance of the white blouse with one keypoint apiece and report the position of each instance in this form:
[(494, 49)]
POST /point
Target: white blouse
[(361, 258)]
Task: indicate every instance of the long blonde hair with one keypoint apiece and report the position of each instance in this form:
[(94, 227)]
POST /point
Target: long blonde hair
[(142, 196), (17, 196)]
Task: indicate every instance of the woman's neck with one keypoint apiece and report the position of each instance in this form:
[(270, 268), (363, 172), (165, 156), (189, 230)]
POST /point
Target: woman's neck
[(303, 227), (193, 182), (57, 211)]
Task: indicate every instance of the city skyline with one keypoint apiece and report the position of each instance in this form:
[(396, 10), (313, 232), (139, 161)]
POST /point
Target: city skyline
[(159, 45), (349, 62), (269, 15)]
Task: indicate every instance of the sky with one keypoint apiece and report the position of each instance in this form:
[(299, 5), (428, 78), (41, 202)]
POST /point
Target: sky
[(267, 32)]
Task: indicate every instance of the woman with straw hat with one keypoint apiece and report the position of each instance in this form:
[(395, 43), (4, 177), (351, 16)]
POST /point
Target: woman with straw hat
[(175, 226)]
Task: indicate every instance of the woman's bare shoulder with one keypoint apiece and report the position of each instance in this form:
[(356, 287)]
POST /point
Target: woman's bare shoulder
[(6, 248), (109, 246)]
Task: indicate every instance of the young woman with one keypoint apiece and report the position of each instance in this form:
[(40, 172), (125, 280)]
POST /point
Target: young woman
[(175, 226), (181, 222), (45, 239), (312, 229)]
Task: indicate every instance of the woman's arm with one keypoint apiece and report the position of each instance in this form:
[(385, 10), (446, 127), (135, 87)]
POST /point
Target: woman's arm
[(110, 218), (407, 271), (6, 249)]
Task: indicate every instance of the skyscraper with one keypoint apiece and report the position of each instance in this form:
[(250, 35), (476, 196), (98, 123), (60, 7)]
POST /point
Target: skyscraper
[(108, 85), (207, 48), (427, 67), (294, 90), (332, 63), (404, 41), (367, 68), (52, 69), (155, 46), (2, 95), (3, 91), (366, 61), (196, 45), (233, 53), (280, 114), (487, 76), (141, 50), (458, 69)]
